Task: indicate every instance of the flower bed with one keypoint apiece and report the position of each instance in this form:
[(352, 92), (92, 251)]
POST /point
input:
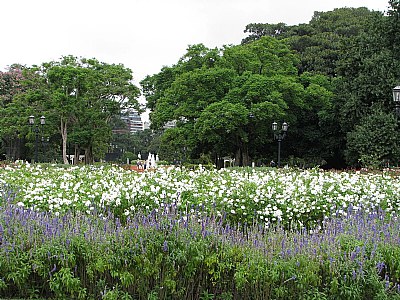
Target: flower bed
[(289, 196), (107, 233), (171, 255)]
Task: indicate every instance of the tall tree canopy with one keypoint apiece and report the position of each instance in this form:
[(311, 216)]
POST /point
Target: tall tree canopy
[(85, 94), (367, 73), (321, 42), (359, 50), (80, 96), (231, 96)]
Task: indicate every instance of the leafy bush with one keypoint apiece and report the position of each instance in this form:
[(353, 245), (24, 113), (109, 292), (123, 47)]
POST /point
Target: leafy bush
[(172, 255)]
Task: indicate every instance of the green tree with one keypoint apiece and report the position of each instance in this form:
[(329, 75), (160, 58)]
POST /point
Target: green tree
[(24, 97), (178, 143), (329, 36), (321, 42), (85, 94), (335, 44), (226, 107), (258, 30), (311, 132), (368, 70), (66, 89), (223, 125), (10, 86), (78, 97), (374, 139), (154, 86)]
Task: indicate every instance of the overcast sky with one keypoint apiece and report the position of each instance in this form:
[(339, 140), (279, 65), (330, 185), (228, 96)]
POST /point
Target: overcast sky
[(143, 35)]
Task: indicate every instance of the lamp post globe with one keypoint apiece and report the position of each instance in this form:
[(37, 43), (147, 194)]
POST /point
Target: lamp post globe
[(285, 127), (274, 127)]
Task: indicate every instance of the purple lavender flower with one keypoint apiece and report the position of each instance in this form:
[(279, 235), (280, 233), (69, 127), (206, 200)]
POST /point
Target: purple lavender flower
[(165, 246), (380, 266)]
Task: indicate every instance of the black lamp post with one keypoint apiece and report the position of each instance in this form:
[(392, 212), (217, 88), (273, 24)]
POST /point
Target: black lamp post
[(36, 130), (396, 99), (279, 135), (45, 142)]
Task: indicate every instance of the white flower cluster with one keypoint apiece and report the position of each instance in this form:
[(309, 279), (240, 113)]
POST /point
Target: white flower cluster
[(260, 193)]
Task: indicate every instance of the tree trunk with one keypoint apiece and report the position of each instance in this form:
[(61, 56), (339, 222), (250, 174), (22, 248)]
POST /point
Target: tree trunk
[(64, 141), (219, 162), (89, 155), (238, 157), (245, 155), (77, 154), (242, 158)]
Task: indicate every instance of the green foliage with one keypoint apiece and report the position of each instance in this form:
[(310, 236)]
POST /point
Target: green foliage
[(367, 72), (150, 263), (224, 108), (258, 30), (86, 94), (66, 286), (355, 47), (375, 138), (78, 97), (13, 112), (222, 121)]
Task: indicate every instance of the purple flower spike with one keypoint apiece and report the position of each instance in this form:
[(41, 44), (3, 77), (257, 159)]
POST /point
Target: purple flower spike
[(165, 246)]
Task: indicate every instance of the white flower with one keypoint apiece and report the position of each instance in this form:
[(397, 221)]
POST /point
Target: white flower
[(277, 213)]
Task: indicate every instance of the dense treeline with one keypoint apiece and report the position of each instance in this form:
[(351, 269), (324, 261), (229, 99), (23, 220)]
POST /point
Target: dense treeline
[(331, 80)]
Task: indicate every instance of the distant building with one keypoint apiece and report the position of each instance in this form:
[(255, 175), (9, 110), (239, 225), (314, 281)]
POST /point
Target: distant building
[(133, 123)]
